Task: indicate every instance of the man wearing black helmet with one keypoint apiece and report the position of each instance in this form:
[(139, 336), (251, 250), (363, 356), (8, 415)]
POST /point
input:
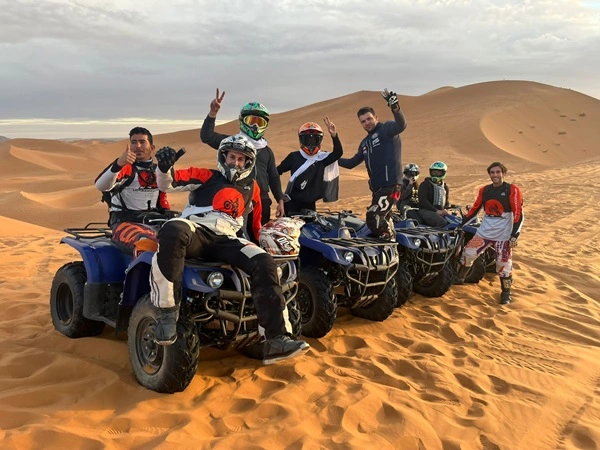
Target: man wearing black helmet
[(254, 119), (409, 192), (218, 203), (381, 151)]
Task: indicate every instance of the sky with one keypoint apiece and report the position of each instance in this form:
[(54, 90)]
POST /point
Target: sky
[(92, 68)]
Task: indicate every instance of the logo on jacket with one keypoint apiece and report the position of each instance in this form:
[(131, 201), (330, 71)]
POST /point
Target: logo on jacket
[(303, 184), (229, 201), (147, 179), (494, 208)]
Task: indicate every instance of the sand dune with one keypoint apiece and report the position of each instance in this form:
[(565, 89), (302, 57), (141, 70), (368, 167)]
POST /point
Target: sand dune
[(458, 372)]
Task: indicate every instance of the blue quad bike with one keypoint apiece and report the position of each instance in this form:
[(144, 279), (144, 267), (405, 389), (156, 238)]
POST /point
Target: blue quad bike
[(338, 269), (425, 258), (110, 287), (486, 262)]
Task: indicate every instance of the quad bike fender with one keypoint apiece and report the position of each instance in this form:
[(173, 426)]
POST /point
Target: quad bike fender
[(325, 250), (406, 241), (104, 262)]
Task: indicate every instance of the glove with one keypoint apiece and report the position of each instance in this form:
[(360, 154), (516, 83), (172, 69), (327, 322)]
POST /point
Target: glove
[(166, 157), (512, 242), (391, 98)]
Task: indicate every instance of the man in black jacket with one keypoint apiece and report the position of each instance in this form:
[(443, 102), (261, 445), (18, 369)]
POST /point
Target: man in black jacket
[(254, 119), (381, 151), (314, 171)]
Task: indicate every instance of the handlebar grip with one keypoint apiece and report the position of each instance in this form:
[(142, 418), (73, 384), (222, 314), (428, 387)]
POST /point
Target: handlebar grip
[(180, 153)]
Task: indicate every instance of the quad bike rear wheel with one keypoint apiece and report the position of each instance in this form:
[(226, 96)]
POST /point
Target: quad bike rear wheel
[(66, 302), (161, 368)]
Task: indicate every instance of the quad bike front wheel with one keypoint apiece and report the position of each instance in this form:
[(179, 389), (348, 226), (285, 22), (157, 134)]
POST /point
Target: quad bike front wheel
[(438, 285), (382, 307), (66, 302), (161, 368), (404, 283), (318, 307)]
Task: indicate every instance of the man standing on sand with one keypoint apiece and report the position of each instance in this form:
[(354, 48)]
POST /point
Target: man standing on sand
[(381, 151), (254, 119), (503, 206)]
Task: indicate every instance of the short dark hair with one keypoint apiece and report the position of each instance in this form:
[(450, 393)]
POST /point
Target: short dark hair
[(365, 110), (497, 164), (142, 130)]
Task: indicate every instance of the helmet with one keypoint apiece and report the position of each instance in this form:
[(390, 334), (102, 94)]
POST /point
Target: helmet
[(411, 171), (311, 136), (437, 171), (238, 143), (280, 236), (254, 119)]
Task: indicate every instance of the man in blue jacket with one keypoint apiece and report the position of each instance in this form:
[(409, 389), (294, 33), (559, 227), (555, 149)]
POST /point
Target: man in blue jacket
[(381, 151)]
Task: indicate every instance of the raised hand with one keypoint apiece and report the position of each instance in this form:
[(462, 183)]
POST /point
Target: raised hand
[(128, 157), (215, 104), (166, 157), (391, 98), (330, 126)]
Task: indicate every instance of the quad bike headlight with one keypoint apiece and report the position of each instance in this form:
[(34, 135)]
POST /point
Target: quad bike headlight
[(417, 242), (348, 256), (215, 280)]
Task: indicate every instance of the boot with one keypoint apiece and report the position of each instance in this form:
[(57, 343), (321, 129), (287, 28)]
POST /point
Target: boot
[(165, 332), (282, 347), (505, 283), (463, 271)]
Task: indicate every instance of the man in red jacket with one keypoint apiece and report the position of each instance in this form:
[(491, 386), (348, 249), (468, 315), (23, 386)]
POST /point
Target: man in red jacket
[(502, 203)]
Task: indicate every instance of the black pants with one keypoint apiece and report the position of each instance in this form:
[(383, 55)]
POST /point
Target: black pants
[(293, 207), (379, 212), (178, 240)]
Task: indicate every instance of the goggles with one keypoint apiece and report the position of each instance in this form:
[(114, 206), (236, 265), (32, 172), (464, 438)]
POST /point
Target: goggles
[(260, 122)]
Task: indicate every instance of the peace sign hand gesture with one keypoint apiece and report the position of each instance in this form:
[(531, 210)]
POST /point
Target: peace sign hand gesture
[(330, 126), (215, 105)]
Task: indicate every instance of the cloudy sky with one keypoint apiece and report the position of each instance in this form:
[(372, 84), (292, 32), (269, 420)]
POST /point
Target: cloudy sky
[(91, 68)]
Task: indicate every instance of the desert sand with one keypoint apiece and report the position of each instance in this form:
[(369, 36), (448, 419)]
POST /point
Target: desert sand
[(457, 372)]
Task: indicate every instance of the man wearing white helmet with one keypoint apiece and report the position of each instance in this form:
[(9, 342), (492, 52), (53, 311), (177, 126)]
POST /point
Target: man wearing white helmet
[(218, 202)]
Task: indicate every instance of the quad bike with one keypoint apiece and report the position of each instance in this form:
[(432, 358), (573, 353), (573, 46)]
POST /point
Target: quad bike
[(111, 287), (425, 255), (340, 269)]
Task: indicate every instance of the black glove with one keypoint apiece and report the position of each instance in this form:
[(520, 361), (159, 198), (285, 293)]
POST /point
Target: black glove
[(513, 241), (166, 157), (391, 98)]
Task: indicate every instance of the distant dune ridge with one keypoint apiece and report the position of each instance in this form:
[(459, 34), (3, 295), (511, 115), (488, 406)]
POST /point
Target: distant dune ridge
[(458, 372)]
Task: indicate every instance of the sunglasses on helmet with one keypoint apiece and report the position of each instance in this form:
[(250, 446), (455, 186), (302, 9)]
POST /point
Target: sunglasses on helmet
[(260, 122)]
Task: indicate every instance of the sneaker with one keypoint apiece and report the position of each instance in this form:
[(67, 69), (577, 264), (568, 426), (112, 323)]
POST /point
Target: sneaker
[(282, 347), (165, 332), (505, 298)]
